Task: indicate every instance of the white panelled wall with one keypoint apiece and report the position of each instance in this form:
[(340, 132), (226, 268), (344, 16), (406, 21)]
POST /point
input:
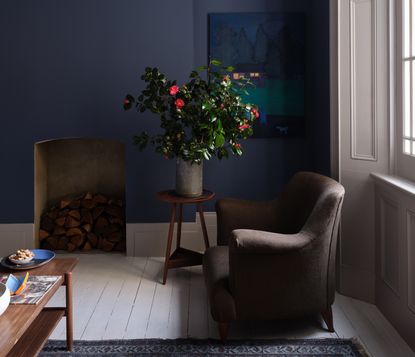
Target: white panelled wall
[(363, 135), (395, 253), (377, 243)]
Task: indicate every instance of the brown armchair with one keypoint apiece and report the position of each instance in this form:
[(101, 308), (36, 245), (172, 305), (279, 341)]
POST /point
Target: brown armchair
[(276, 259)]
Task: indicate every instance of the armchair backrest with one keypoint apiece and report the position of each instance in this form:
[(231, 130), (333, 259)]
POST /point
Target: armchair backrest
[(302, 199)]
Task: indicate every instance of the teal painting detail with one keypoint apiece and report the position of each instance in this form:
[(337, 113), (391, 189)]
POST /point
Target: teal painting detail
[(268, 48)]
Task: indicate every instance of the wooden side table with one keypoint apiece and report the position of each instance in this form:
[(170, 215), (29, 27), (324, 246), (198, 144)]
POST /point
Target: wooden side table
[(182, 257)]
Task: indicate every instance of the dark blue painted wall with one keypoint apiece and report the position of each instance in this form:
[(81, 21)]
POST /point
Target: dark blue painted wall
[(65, 67)]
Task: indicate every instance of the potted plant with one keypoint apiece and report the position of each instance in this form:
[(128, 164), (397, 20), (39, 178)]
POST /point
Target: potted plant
[(200, 119)]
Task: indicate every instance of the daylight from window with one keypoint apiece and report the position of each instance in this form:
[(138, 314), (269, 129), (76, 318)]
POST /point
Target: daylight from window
[(408, 67)]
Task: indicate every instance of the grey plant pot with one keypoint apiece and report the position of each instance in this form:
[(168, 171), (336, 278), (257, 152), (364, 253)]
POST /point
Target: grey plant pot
[(189, 178)]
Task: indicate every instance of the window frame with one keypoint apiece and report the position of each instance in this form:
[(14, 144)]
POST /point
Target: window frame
[(405, 163)]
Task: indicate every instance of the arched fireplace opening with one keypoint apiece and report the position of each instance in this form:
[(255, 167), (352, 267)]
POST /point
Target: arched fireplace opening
[(80, 194)]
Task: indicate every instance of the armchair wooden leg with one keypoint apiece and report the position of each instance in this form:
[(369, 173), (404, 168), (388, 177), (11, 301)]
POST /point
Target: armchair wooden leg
[(328, 319), (223, 330)]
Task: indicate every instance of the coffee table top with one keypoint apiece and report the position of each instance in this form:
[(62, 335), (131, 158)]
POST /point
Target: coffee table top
[(17, 318)]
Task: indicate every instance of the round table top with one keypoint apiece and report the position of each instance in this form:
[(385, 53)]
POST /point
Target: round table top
[(171, 196)]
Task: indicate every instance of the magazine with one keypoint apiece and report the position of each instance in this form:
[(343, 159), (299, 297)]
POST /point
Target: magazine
[(36, 287)]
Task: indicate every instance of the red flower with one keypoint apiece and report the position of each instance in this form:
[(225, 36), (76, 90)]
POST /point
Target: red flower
[(244, 126), (126, 102), (237, 146), (174, 90), (179, 103), (222, 106), (255, 112)]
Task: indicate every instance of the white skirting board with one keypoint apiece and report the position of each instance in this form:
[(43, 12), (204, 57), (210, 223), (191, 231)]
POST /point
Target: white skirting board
[(150, 239), (15, 236), (143, 239)]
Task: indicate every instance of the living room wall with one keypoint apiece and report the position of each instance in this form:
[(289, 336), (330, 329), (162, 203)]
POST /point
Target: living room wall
[(66, 66)]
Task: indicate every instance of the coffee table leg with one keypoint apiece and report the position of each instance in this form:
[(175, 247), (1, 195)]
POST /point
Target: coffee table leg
[(202, 221), (169, 241), (69, 312)]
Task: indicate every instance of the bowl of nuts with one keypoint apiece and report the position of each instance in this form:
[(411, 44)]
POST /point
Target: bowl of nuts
[(22, 256)]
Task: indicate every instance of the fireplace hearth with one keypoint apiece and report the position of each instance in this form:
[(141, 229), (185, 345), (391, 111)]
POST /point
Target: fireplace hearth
[(80, 194)]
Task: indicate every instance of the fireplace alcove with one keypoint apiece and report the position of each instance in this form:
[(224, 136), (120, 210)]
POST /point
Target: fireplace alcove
[(71, 166)]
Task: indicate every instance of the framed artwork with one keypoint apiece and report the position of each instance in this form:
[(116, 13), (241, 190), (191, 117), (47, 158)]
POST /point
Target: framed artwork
[(269, 49)]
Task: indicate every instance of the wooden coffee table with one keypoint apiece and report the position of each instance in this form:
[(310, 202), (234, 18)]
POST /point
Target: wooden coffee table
[(24, 329)]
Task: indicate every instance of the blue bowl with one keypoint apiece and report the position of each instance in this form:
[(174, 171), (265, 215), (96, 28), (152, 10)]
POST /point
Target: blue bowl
[(43, 254)]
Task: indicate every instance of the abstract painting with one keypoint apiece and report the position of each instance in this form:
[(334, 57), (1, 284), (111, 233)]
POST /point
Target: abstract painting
[(269, 49)]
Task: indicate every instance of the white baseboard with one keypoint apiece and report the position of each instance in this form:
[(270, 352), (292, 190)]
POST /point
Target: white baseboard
[(16, 236), (150, 239)]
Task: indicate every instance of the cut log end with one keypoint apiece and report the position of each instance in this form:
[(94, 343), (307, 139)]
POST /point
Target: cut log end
[(84, 222)]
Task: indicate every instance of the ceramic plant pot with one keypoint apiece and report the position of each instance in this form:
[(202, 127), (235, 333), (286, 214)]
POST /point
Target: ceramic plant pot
[(189, 178)]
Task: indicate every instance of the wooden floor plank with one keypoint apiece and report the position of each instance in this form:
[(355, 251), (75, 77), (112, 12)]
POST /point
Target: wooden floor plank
[(160, 308), (95, 328), (84, 307), (179, 304), (118, 320), (140, 313)]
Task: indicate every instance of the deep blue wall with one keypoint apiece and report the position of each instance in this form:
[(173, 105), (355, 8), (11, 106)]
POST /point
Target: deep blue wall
[(65, 67)]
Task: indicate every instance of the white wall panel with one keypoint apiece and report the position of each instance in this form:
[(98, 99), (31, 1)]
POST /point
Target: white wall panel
[(410, 239), (363, 79), (364, 135), (389, 242)]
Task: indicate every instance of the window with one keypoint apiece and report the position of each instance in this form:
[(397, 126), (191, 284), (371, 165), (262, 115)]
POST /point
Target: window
[(405, 89), (408, 76)]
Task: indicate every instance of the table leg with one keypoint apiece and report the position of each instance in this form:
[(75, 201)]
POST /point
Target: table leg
[(179, 225), (169, 241), (69, 311), (202, 221)]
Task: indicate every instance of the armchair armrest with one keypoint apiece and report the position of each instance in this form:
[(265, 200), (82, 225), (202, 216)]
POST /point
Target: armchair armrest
[(247, 241), (241, 214), (275, 275)]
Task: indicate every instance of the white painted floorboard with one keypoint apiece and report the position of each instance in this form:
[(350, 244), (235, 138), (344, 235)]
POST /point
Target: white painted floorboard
[(119, 297)]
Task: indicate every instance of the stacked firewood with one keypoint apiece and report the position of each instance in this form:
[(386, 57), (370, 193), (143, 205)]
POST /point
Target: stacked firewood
[(89, 221)]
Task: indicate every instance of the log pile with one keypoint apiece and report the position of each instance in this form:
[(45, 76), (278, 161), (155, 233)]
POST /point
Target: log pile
[(88, 221)]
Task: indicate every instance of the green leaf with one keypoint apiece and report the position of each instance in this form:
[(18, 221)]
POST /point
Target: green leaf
[(202, 68), (206, 155), (229, 68), (219, 140), (215, 62)]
